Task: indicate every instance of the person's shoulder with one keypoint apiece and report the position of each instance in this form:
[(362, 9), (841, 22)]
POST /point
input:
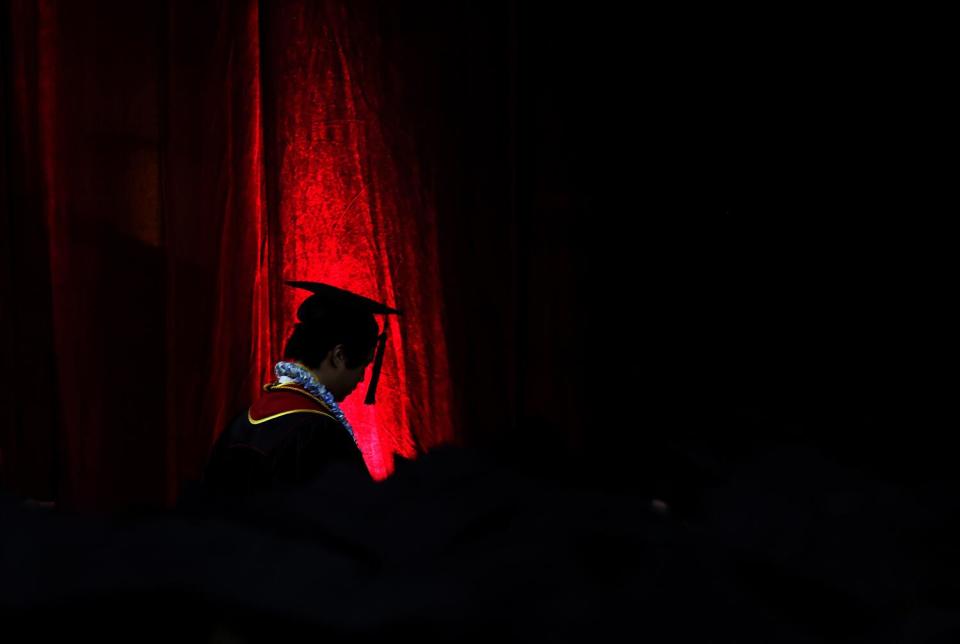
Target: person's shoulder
[(280, 401)]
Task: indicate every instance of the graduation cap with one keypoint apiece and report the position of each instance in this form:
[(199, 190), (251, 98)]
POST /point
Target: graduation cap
[(327, 301)]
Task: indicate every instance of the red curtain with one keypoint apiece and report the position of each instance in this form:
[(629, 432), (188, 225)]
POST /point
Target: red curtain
[(166, 166)]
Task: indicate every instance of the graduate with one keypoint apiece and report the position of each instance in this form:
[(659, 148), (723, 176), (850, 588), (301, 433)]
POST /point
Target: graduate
[(296, 429)]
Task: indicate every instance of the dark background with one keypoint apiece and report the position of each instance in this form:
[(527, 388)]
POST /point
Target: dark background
[(698, 231)]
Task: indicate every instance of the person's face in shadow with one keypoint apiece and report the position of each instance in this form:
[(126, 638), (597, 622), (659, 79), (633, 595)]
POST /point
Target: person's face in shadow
[(338, 376)]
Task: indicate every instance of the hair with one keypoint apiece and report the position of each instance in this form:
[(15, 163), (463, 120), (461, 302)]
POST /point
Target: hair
[(311, 341)]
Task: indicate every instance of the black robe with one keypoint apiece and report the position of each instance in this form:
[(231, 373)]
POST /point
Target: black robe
[(287, 438)]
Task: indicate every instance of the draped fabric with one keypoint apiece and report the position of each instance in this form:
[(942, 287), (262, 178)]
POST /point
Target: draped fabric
[(166, 166)]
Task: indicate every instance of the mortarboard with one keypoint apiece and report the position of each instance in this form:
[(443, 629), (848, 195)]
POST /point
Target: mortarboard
[(327, 301)]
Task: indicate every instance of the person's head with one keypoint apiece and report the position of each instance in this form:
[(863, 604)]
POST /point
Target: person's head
[(337, 337), (336, 349)]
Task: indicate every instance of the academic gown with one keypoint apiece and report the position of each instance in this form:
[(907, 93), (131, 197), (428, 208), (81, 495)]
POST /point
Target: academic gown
[(286, 438)]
